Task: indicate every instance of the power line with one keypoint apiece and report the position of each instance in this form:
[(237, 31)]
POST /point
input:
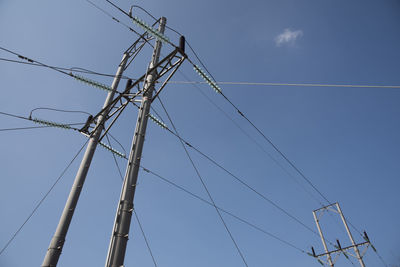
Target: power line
[(62, 126), (117, 20), (270, 84), (145, 11), (277, 149), (112, 17), (115, 159), (381, 258), (121, 146), (86, 71), (238, 179), (293, 166), (38, 121), (14, 116), (285, 157), (148, 29), (134, 6), (205, 187), (294, 84), (83, 70), (213, 84), (373, 247), (72, 69), (145, 238), (34, 61), (58, 110), (269, 141), (129, 15), (156, 20), (191, 49), (251, 138), (241, 181), (61, 70), (83, 79), (195, 85), (35, 127), (134, 210), (223, 210), (245, 184), (42, 199)]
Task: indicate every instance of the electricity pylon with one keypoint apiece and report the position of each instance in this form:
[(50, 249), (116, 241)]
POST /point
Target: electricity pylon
[(339, 249), (119, 237), (57, 242), (114, 105), (120, 233)]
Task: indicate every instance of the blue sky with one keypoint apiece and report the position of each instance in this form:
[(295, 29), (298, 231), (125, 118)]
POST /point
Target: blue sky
[(345, 140)]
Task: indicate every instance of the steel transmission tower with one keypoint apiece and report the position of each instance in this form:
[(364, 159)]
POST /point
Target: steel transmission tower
[(57, 242), (333, 255), (119, 238), (114, 105)]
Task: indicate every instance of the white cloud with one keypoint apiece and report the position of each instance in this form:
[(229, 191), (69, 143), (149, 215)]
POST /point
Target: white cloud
[(288, 37)]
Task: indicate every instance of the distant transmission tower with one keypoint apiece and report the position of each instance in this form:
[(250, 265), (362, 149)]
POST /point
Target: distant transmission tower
[(333, 255)]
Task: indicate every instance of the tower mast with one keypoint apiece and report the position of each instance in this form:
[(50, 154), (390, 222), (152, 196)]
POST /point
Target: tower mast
[(119, 238), (57, 242)]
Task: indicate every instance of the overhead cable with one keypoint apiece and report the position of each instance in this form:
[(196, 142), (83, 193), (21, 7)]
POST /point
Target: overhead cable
[(244, 183), (241, 181), (115, 160), (91, 82), (33, 61), (58, 110), (272, 144), (117, 20), (145, 237), (42, 199), (73, 69), (80, 78), (223, 210), (205, 187), (112, 17), (34, 127), (269, 141), (252, 139), (294, 84), (134, 210)]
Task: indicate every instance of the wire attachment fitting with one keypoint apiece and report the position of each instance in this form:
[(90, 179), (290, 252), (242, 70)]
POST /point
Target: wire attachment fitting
[(151, 30), (208, 80), (157, 121), (91, 82), (52, 124), (112, 150)]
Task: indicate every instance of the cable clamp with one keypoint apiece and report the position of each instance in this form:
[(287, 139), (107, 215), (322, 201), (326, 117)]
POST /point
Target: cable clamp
[(189, 145), (25, 58)]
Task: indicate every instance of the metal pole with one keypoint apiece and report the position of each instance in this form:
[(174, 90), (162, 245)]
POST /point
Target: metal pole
[(323, 239), (57, 242), (119, 238), (360, 260)]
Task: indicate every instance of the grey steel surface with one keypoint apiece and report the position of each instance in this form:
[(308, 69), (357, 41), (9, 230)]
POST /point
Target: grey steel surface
[(119, 237), (360, 260), (328, 255), (57, 242)]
